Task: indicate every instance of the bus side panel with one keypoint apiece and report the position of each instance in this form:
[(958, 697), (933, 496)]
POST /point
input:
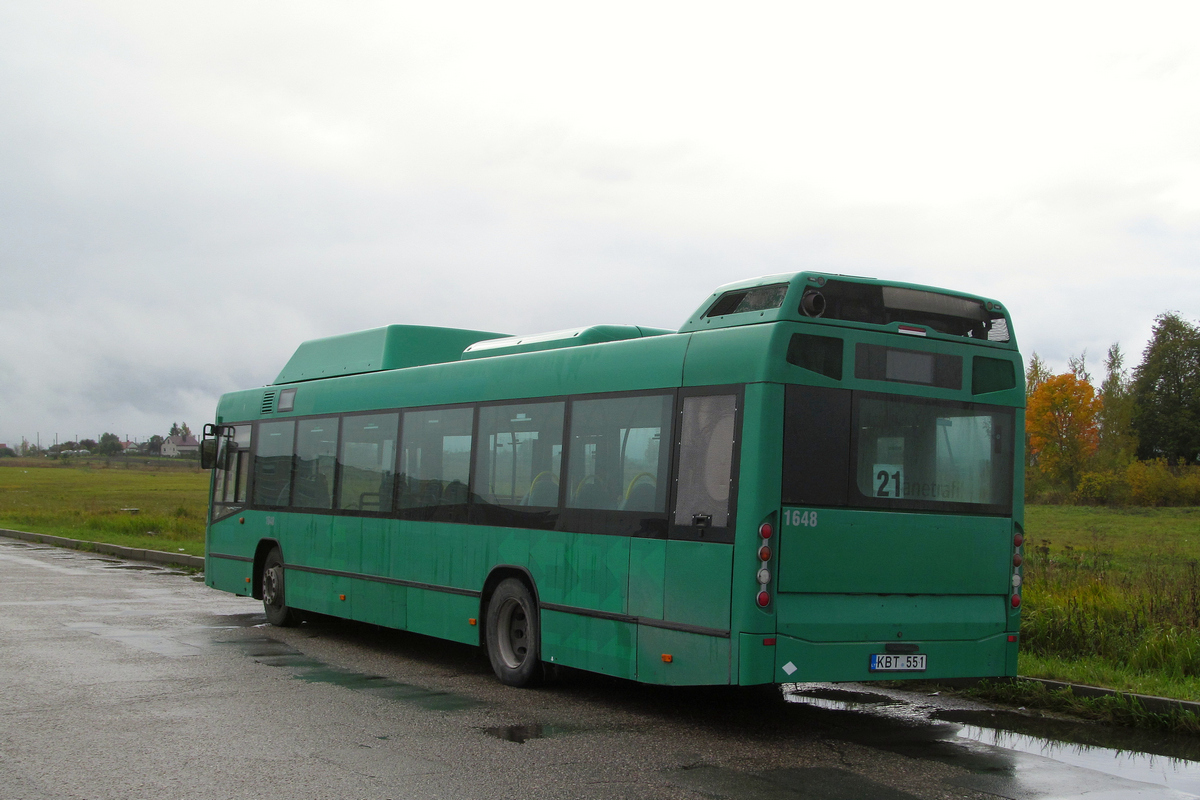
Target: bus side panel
[(585, 571), (376, 602), (647, 571), (442, 614), (229, 575), (582, 570), (759, 481), (379, 603), (228, 537), (697, 584), (311, 592), (305, 539), (600, 645), (678, 658), (729, 355), (756, 659), (345, 544)]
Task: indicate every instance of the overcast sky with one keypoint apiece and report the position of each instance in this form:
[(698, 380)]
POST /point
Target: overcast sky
[(190, 189)]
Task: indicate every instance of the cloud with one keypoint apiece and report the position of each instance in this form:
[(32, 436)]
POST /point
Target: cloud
[(187, 191)]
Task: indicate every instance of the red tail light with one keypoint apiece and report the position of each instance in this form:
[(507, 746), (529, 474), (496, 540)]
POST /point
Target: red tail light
[(1016, 601), (764, 599), (765, 530), (1018, 540), (764, 553)]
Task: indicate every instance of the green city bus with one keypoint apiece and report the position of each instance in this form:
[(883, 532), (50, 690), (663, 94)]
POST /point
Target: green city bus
[(816, 478)]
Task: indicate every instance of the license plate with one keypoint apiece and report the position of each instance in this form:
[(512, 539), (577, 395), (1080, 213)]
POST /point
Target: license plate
[(888, 662)]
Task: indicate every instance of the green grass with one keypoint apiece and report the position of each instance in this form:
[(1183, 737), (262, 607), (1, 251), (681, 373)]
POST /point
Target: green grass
[(1112, 598), (1127, 534), (85, 501), (1095, 671)]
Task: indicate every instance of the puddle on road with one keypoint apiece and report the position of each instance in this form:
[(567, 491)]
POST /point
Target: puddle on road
[(275, 653), (523, 733), (977, 740)]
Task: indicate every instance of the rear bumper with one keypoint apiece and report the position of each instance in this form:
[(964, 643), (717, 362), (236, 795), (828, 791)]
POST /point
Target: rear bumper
[(797, 660)]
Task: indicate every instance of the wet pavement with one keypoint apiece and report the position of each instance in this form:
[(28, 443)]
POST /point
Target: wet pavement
[(120, 679)]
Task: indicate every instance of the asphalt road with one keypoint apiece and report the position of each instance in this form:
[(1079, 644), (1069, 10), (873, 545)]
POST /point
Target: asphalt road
[(126, 680)]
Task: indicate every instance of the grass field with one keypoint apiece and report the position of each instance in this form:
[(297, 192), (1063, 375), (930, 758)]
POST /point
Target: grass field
[(88, 500), (1111, 596)]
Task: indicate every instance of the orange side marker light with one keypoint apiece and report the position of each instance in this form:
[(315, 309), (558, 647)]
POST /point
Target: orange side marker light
[(341, 597), (666, 658), (471, 621)]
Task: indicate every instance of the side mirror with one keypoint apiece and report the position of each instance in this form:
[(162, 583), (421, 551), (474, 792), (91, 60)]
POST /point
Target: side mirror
[(208, 447)]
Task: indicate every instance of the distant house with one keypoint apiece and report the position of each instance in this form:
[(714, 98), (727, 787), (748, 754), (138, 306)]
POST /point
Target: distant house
[(180, 445), (130, 447)]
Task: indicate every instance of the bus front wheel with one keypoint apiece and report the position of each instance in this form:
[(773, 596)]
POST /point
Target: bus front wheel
[(512, 634), (274, 601)]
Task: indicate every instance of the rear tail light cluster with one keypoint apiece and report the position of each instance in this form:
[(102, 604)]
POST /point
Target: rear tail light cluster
[(764, 565), (1017, 560)]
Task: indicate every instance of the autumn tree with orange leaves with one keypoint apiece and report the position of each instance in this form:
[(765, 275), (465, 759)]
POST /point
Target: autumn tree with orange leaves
[(1061, 421)]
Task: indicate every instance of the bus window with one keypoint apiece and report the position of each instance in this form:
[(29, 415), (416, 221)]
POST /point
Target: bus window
[(816, 446), (923, 453), (367, 462), (316, 451), (520, 454), (618, 459), (232, 468), (706, 460), (435, 457), (273, 463)]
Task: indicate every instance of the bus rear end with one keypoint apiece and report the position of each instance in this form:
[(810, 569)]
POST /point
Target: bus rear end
[(899, 537), (897, 551)]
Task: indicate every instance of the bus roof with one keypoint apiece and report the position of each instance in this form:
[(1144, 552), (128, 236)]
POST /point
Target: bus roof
[(810, 297), (844, 299)]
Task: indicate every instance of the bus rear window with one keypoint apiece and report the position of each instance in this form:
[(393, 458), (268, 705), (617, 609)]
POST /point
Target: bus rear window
[(922, 453), (886, 451), (760, 298)]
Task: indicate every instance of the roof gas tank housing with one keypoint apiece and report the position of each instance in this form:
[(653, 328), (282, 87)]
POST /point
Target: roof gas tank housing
[(857, 302), (377, 349)]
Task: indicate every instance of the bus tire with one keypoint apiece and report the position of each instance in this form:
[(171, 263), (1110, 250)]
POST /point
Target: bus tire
[(274, 600), (513, 635)]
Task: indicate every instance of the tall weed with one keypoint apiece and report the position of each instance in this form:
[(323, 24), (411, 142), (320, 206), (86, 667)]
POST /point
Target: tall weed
[(1143, 614)]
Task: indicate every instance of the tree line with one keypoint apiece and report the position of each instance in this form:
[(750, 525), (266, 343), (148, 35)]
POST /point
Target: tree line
[(109, 444), (1135, 440)]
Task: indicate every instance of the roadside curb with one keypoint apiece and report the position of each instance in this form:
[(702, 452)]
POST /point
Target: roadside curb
[(133, 553), (1152, 703)]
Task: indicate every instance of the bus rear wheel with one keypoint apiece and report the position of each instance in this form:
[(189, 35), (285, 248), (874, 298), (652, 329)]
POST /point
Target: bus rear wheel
[(274, 600), (513, 637)]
